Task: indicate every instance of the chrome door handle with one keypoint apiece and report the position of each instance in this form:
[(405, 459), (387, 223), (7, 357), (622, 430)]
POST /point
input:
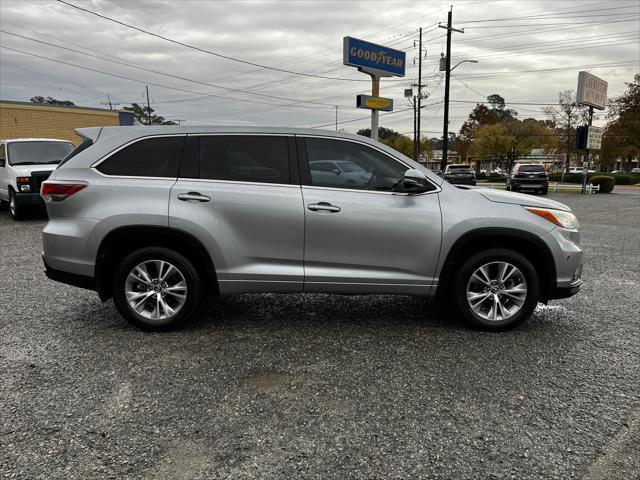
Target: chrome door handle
[(185, 197), (323, 206)]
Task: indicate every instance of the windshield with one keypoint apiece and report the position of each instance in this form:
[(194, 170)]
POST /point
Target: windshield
[(531, 168), (34, 153)]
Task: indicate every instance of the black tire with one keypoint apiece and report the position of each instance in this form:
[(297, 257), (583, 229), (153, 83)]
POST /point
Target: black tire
[(184, 267), (468, 267), (14, 207)]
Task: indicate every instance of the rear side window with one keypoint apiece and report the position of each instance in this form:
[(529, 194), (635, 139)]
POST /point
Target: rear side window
[(151, 157), (244, 158), (531, 168)]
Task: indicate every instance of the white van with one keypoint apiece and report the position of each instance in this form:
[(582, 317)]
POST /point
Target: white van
[(24, 164)]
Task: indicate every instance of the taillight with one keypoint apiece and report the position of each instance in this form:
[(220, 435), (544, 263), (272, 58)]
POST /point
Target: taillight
[(57, 192)]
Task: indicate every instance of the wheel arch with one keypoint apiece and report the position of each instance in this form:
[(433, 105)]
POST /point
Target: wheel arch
[(121, 241), (521, 241)]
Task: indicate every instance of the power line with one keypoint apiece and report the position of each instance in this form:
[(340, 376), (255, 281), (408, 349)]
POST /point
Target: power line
[(179, 77), (203, 50), (158, 84)]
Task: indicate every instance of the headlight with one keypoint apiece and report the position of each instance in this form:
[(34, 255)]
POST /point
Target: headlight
[(558, 217), (23, 184)]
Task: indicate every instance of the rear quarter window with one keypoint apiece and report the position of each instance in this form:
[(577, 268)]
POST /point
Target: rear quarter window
[(151, 157)]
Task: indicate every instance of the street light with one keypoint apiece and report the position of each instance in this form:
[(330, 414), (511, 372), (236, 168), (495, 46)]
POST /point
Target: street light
[(463, 61)]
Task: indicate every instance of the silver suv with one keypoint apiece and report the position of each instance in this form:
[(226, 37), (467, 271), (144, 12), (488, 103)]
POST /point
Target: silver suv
[(158, 217)]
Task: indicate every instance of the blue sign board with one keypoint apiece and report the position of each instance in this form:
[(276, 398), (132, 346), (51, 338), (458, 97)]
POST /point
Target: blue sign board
[(373, 58)]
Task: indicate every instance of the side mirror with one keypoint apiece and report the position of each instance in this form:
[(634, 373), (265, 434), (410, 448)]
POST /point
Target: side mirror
[(415, 181)]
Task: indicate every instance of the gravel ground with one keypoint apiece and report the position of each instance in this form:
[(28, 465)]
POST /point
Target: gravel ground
[(316, 386)]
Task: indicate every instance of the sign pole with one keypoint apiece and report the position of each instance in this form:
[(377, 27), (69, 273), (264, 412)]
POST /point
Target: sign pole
[(585, 163), (375, 92)]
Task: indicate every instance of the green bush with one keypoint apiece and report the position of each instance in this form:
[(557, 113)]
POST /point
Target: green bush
[(481, 176), (568, 177), (606, 182), (497, 178), (626, 178)]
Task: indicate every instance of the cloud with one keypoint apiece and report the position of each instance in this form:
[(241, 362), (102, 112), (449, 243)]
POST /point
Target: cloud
[(306, 36)]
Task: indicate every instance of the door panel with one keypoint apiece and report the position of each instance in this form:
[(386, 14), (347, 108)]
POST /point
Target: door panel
[(366, 235), (245, 209), (376, 243), (254, 232)]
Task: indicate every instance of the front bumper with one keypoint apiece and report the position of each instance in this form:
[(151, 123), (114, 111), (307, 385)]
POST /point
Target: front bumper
[(556, 293), (29, 199)]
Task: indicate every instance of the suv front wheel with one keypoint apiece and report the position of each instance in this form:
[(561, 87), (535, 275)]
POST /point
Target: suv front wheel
[(496, 290), (156, 289)]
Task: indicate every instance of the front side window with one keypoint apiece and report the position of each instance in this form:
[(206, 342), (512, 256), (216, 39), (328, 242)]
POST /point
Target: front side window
[(38, 152), (354, 166), (150, 157), (244, 158), (2, 154)]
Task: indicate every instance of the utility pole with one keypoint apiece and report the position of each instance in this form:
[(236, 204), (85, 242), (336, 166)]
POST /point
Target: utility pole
[(148, 107), (336, 117), (415, 129), (419, 105), (108, 102), (447, 80)]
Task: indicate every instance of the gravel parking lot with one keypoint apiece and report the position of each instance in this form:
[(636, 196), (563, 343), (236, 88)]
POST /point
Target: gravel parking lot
[(316, 386)]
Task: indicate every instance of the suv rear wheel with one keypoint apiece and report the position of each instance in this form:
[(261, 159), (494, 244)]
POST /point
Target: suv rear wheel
[(156, 289), (496, 290)]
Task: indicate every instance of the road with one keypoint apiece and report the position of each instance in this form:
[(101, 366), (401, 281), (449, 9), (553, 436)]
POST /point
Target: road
[(324, 387)]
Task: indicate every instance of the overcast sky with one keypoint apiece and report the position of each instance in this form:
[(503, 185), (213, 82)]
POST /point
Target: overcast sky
[(512, 41)]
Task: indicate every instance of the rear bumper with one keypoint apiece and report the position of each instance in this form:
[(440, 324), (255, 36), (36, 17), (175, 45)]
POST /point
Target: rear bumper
[(461, 181), (532, 184), (81, 281), (29, 199)]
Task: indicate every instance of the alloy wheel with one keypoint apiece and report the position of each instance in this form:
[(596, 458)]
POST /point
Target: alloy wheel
[(156, 289), (496, 291)]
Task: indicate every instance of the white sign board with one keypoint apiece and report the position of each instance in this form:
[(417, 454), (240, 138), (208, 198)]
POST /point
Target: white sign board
[(594, 138), (592, 91)]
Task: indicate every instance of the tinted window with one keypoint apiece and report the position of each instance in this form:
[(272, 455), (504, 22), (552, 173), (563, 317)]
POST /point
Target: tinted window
[(153, 157), (2, 155), (361, 167), (34, 153), (531, 168), (245, 158)]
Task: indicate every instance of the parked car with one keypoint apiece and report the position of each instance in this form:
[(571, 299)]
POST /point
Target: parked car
[(158, 217), (24, 164), (530, 177), (580, 170), (635, 170), (338, 173), (460, 174)]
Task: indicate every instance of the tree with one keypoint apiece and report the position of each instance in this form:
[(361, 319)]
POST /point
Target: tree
[(146, 116), (492, 141), (501, 113), (566, 117), (479, 116), (397, 141), (383, 133), (50, 101), (621, 136)]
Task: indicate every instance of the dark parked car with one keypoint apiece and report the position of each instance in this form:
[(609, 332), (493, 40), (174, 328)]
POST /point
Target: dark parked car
[(529, 177), (461, 174)]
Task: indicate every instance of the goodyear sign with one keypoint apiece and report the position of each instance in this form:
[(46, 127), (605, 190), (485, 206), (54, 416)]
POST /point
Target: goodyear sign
[(374, 103), (369, 57)]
